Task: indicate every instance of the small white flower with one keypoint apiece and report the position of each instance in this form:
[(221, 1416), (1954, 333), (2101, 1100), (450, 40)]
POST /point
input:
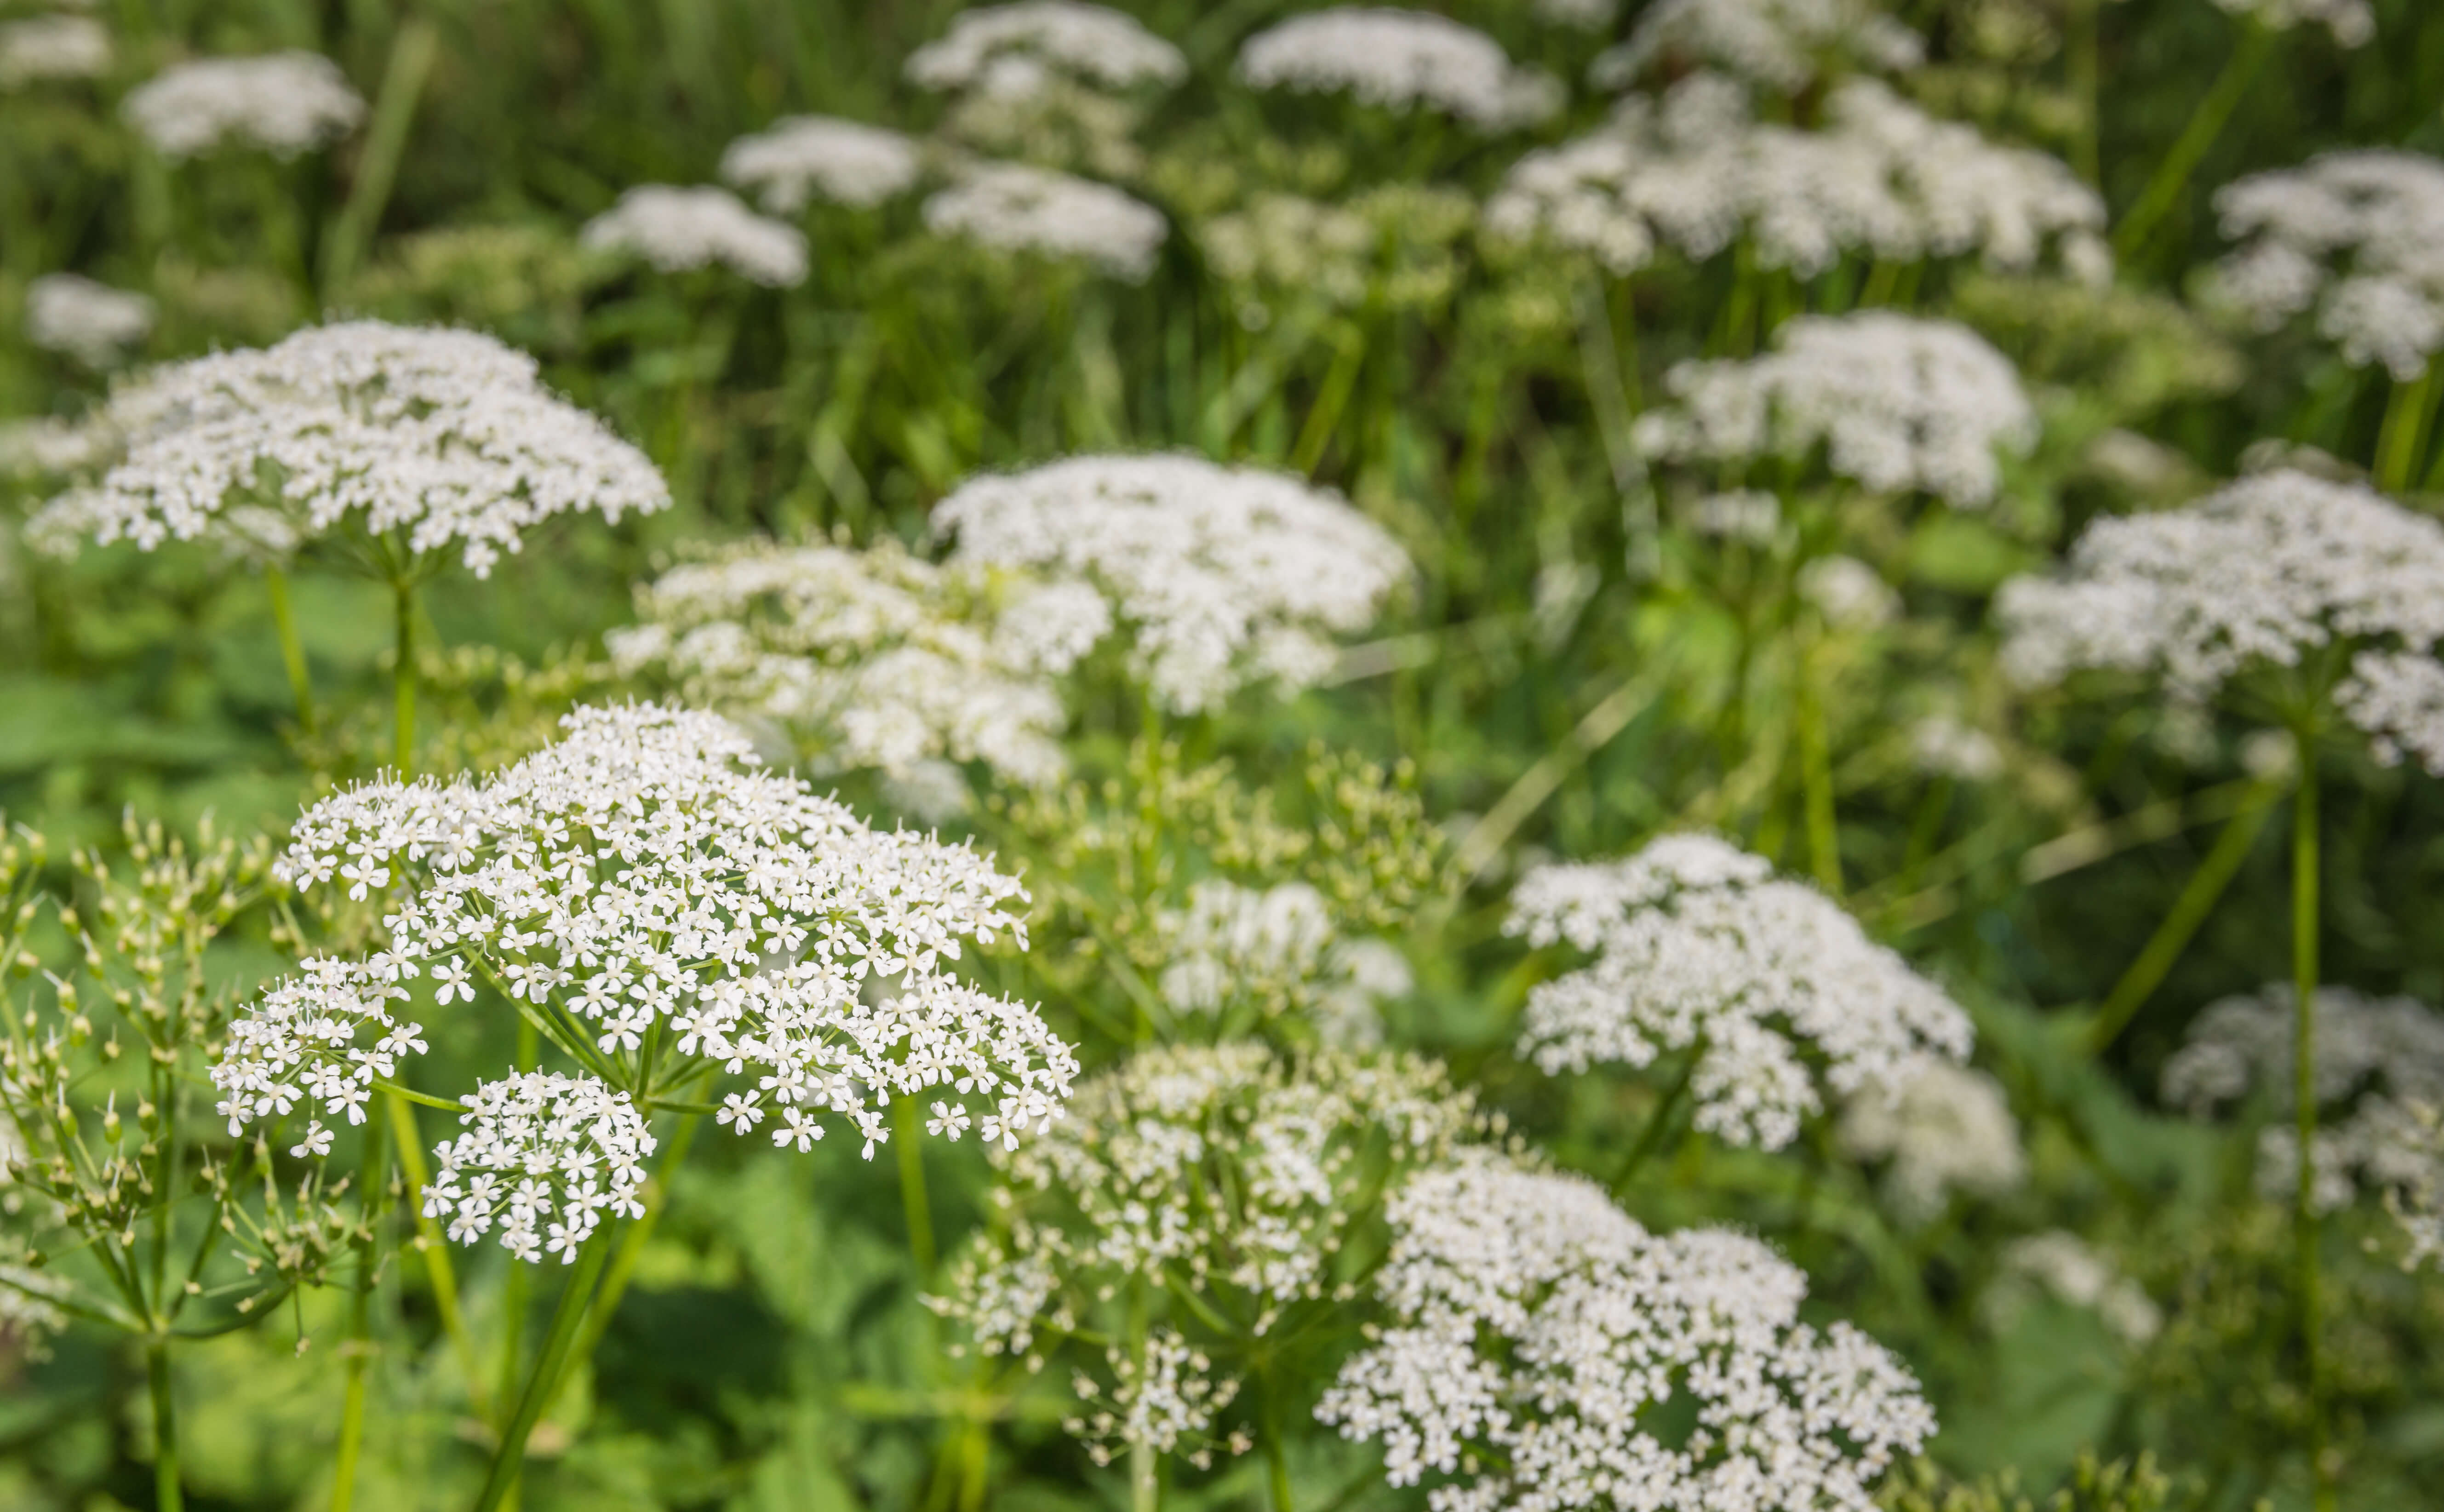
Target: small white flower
[(282, 102), (90, 321), (802, 158), (1017, 208), (315, 1143), (679, 229), (1402, 60)]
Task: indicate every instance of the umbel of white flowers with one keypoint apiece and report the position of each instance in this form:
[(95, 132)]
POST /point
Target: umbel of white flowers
[(1899, 404), (679, 229), (1276, 951), (90, 321), (422, 439), (1778, 44), (1880, 179), (1701, 950), (1221, 577), (1116, 1196), (672, 916), (282, 102), (1950, 1130), (1018, 208), (1012, 49), (802, 158), (2356, 236), (44, 47), (872, 658), (1535, 1331), (2276, 579), (1400, 60)]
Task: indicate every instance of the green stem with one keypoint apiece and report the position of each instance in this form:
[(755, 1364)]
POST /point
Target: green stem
[(2305, 974), (1816, 785), (909, 1122), (1657, 1124), (292, 651), (1277, 1465), (2080, 51), (2403, 437), (510, 1457), (403, 676), (411, 60), (2199, 897), (360, 1345), (436, 1250), (166, 1496), (2205, 124), (1145, 1489), (514, 1286), (632, 1245), (1339, 381)]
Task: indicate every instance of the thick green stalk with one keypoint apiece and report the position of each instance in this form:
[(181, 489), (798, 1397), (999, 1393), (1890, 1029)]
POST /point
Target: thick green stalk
[(292, 651), (2402, 441), (2199, 897), (412, 53), (909, 1122), (1666, 1113), (437, 1264), (166, 1496), (2080, 50), (1816, 785), (2303, 1055), (1277, 1465), (360, 1345), (403, 676), (2205, 124), (510, 1457)]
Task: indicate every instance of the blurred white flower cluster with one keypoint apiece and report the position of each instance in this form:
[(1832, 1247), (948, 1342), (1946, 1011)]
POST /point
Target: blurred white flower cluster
[(1899, 404), (873, 658), (678, 228), (282, 102), (2356, 235), (433, 437), (1400, 60), (45, 47), (90, 321), (1222, 577), (1017, 208), (1943, 746), (1784, 45), (1535, 1327), (2351, 22), (1014, 49), (1278, 950), (801, 157), (1949, 1130), (1766, 983), (2065, 1267)]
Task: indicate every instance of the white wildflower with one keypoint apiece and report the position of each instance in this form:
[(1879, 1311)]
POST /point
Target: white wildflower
[(1948, 1130), (802, 158), (2359, 237), (1849, 594), (2259, 574), (436, 438), (1016, 48), (282, 102), (642, 877), (1400, 60), (545, 1156), (43, 47), (2062, 1265), (873, 658), (1751, 515), (49, 447), (90, 321), (2351, 22), (1534, 1325), (1279, 950), (1900, 404), (1942, 745), (1766, 983), (1780, 44), (2399, 700), (681, 229), (1016, 208), (1222, 576)]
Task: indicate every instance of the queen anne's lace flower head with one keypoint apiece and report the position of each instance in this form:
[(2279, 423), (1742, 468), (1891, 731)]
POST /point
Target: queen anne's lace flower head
[(1014, 49), (545, 1156), (2351, 22), (1114, 1196), (2359, 237), (1017, 208), (2260, 573), (433, 437), (1402, 60), (1534, 1327), (1222, 576), (43, 47), (284, 103), (802, 158), (1279, 950), (90, 321), (2064, 1266), (1899, 404), (876, 658), (679, 229), (1699, 950), (1951, 1130), (643, 877), (1781, 44)]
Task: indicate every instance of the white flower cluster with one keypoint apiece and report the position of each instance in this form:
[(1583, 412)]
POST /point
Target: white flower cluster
[(1899, 403), (1781, 44), (1537, 1332), (43, 47), (1700, 950), (545, 1156), (1400, 60), (1694, 171), (2359, 236), (2261, 573), (1017, 49), (2351, 22), (2382, 1057), (435, 437), (678, 229), (284, 103), (1113, 1197), (1018, 208), (93, 322), (1279, 949), (1751, 515), (1949, 1130), (1943, 746), (641, 879), (2397, 698), (1222, 576), (2064, 1265), (877, 659), (802, 158), (48, 447), (1849, 594)]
